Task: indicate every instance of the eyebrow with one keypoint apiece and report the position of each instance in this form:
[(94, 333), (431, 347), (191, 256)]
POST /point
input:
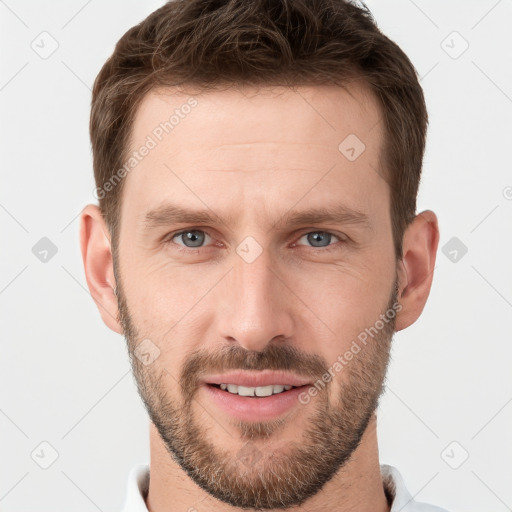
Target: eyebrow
[(170, 214)]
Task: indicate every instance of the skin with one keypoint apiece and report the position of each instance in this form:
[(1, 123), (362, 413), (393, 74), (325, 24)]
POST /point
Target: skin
[(256, 155)]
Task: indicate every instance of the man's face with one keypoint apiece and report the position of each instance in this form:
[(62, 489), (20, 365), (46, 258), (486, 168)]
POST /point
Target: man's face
[(251, 290)]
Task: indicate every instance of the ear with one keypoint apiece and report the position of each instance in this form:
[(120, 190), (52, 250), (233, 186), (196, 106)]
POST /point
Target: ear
[(416, 269), (98, 265)]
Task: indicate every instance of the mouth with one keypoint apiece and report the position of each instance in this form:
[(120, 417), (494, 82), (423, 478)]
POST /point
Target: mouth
[(253, 404), (257, 391)]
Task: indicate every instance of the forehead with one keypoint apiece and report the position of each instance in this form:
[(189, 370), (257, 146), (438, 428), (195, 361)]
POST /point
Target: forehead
[(312, 114), (255, 144)]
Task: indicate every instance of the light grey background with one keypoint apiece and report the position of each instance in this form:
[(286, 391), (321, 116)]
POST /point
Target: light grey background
[(66, 379)]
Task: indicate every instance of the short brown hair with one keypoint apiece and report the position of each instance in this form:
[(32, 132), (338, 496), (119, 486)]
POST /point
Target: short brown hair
[(207, 43)]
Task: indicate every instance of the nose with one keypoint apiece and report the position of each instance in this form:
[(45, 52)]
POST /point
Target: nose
[(256, 307)]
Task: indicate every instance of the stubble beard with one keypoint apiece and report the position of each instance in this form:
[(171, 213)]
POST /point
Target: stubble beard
[(249, 475)]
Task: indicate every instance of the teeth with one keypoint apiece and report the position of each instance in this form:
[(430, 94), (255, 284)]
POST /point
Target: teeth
[(257, 391)]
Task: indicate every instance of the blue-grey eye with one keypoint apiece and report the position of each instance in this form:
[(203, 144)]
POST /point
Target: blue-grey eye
[(192, 237), (319, 238)]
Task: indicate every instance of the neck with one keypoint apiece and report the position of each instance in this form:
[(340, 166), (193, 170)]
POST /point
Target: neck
[(356, 486)]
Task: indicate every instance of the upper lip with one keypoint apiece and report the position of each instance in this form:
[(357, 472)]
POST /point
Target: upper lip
[(256, 379)]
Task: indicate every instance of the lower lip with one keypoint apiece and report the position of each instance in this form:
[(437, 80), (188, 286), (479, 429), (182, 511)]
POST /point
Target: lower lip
[(247, 408)]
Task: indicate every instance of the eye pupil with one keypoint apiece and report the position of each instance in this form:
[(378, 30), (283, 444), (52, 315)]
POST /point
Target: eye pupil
[(319, 236), (194, 236)]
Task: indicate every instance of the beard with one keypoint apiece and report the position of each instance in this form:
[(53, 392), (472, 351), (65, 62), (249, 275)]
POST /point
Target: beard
[(248, 475)]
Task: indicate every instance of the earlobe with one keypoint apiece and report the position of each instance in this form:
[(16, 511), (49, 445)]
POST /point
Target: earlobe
[(416, 269), (98, 265)]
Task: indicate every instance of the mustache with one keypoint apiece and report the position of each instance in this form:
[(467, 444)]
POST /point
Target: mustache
[(233, 357)]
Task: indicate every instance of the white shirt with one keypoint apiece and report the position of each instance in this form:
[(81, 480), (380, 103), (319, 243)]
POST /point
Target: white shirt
[(402, 501)]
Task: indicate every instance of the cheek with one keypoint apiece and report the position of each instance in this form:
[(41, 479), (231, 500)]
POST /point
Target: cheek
[(342, 296), (165, 299), (339, 309)]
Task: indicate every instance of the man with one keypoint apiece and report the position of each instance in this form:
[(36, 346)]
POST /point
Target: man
[(256, 242)]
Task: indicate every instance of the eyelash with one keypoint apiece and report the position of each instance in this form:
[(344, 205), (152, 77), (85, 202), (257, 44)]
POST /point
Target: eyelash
[(187, 250)]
